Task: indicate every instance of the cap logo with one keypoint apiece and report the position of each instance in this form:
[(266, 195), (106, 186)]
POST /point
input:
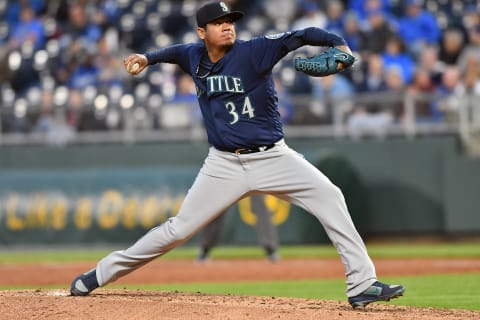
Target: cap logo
[(224, 6)]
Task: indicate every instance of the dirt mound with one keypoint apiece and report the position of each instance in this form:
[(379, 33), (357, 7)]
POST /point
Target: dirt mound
[(128, 304)]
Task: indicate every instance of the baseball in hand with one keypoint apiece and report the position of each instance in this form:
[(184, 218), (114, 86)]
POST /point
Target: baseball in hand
[(135, 67)]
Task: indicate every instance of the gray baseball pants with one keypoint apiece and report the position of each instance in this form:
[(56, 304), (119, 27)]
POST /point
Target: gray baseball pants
[(224, 179)]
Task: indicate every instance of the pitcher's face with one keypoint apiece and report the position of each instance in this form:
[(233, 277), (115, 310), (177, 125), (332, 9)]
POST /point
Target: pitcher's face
[(218, 33)]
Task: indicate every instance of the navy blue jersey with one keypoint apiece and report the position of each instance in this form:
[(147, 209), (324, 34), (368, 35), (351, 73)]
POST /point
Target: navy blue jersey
[(236, 94)]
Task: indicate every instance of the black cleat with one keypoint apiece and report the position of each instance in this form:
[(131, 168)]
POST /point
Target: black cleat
[(376, 292), (84, 283)]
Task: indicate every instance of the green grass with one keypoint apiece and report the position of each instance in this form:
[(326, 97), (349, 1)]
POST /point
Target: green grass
[(47, 255), (397, 250), (437, 250), (459, 291)]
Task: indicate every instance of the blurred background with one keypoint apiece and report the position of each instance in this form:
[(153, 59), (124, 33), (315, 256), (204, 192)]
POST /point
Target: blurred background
[(88, 151)]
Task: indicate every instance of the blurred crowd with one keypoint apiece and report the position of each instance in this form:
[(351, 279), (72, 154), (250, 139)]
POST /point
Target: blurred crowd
[(61, 62)]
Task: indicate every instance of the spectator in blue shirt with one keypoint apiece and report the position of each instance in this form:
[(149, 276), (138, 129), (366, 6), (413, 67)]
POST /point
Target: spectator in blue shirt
[(395, 54), (86, 73), (361, 7), (335, 17), (351, 31), (14, 8), (29, 28), (418, 27)]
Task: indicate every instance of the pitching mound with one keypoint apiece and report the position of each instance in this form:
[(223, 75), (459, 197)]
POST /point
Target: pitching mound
[(127, 304)]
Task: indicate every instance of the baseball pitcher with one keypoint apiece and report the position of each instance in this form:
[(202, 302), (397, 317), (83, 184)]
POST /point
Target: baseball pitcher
[(248, 153)]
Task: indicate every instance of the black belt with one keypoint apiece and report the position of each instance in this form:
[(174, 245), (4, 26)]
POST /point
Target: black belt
[(252, 149)]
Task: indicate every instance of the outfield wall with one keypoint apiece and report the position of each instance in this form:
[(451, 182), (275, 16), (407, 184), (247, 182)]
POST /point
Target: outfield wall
[(114, 193)]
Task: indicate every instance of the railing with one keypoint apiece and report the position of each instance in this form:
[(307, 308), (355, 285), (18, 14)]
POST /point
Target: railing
[(469, 123), (328, 118)]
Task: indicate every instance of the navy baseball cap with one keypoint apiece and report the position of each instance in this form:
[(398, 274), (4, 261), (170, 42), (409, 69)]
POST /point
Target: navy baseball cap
[(216, 10)]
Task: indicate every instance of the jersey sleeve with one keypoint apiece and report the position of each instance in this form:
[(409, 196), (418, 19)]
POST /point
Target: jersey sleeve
[(268, 50), (176, 54)]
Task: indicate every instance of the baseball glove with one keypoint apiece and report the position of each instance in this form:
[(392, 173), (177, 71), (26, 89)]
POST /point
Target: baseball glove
[(325, 63)]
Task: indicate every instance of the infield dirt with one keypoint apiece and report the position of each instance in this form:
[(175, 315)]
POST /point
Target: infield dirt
[(106, 303)]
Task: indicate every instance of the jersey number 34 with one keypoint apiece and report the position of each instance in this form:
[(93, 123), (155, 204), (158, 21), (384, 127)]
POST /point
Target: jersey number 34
[(247, 109)]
